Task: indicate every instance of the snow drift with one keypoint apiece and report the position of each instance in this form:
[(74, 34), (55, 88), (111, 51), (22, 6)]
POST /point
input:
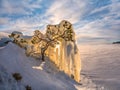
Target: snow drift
[(40, 76)]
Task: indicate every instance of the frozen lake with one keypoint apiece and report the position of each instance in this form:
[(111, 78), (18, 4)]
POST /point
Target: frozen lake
[(102, 64)]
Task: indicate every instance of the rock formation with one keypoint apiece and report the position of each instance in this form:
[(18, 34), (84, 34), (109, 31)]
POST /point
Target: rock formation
[(58, 44)]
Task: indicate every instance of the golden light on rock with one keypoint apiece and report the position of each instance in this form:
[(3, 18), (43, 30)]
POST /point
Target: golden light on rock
[(58, 44)]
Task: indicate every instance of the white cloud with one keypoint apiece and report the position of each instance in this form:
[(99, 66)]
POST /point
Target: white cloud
[(106, 27), (4, 20), (26, 24), (71, 10), (21, 7), (99, 29)]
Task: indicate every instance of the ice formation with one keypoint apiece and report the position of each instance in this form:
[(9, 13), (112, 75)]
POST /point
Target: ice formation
[(58, 44)]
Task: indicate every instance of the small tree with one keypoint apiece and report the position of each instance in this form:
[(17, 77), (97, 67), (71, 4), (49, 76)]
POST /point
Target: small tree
[(17, 76), (28, 87), (53, 35)]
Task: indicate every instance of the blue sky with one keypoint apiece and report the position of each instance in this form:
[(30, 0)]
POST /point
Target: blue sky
[(93, 20)]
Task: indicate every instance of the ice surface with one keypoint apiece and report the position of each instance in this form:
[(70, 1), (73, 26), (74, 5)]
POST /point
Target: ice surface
[(102, 64)]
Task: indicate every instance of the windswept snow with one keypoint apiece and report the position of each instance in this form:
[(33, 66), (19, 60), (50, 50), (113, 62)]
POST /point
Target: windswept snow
[(7, 82), (40, 77), (102, 64), (15, 60)]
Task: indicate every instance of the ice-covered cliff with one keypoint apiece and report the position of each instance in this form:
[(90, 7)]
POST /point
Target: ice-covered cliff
[(65, 54), (58, 44)]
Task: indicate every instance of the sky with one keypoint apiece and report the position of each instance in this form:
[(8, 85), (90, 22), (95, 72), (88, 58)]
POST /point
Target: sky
[(94, 21)]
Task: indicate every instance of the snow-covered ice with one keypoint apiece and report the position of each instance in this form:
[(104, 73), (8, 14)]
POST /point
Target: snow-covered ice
[(102, 64)]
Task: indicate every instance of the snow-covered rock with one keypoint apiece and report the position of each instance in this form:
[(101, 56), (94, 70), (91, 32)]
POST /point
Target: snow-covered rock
[(59, 43), (4, 39), (65, 54)]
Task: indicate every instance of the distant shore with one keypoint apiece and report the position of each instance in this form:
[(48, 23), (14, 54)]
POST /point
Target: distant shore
[(118, 42)]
